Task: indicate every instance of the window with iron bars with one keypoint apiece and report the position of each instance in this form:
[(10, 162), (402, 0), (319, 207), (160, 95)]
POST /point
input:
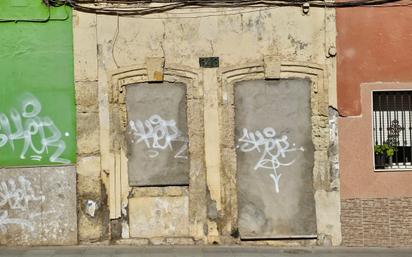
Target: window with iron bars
[(392, 129)]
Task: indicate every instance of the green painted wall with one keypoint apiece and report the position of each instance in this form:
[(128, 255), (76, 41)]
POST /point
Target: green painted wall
[(37, 101)]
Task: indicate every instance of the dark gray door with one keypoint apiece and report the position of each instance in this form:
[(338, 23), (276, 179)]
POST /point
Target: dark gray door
[(275, 157), (157, 134)]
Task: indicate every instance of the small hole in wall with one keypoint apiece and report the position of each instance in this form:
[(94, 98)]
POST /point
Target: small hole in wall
[(235, 233), (215, 243)]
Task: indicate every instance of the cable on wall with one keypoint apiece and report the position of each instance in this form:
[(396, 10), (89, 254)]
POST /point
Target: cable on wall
[(140, 7)]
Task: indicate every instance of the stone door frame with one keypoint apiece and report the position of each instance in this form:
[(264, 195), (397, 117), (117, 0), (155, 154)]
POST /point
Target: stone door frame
[(273, 68), (119, 189), (326, 196)]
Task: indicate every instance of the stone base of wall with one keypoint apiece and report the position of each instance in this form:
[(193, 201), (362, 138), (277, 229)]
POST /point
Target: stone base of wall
[(38, 206), (377, 222)]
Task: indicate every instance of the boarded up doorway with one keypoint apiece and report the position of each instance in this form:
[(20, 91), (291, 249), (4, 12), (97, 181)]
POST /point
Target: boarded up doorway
[(157, 134), (275, 157)]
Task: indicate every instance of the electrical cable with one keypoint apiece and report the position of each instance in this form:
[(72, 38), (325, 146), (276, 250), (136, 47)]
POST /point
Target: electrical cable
[(135, 7)]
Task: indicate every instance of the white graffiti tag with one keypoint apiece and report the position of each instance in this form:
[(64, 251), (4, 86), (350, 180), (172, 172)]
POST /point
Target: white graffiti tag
[(25, 124), (16, 195), (158, 134), (5, 220), (273, 150)]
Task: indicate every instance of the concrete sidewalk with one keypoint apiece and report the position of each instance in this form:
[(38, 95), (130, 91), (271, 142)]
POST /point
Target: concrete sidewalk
[(210, 251)]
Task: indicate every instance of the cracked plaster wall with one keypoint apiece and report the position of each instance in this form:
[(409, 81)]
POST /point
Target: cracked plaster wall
[(107, 45)]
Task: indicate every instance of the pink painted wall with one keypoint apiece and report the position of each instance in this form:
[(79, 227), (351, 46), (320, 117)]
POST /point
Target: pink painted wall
[(358, 178), (374, 44)]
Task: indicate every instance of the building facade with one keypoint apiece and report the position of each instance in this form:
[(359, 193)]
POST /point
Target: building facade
[(373, 83), (177, 96), (214, 125)]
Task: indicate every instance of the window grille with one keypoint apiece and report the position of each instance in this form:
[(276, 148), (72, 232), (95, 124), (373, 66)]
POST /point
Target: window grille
[(392, 129)]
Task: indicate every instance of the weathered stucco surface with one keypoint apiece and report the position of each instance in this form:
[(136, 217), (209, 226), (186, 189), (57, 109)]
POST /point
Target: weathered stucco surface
[(159, 216), (157, 134), (275, 159), (359, 61), (38, 206), (298, 46)]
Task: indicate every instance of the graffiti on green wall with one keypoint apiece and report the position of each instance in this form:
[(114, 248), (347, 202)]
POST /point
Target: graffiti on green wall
[(36, 135), (37, 103)]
